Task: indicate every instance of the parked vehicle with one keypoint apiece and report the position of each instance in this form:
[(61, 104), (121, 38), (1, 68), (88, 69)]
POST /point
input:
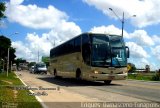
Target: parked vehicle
[(40, 68), (32, 69)]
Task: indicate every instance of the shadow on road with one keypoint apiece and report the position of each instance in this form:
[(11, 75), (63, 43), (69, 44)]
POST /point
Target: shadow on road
[(73, 82)]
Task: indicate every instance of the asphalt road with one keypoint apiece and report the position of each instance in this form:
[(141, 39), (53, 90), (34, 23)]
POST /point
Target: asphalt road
[(149, 91), (118, 91)]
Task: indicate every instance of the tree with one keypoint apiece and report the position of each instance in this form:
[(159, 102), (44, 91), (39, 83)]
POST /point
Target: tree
[(18, 61), (5, 44), (2, 10), (31, 64), (45, 60)]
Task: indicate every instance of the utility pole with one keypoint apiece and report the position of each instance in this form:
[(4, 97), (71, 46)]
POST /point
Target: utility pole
[(8, 62), (38, 54), (8, 56)]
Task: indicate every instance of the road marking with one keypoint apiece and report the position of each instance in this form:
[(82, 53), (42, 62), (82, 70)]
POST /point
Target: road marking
[(40, 100)]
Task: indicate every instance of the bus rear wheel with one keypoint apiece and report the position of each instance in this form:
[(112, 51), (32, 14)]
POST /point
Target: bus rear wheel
[(78, 74), (55, 73), (107, 82)]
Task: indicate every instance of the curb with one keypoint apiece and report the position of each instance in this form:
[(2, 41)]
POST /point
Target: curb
[(41, 102)]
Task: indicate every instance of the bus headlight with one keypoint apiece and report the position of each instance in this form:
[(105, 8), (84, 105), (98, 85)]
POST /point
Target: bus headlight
[(96, 72)]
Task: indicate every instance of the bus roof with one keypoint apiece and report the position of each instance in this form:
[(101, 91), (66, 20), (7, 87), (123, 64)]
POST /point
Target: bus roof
[(89, 33)]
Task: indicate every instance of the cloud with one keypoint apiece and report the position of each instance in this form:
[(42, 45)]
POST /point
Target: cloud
[(21, 50), (65, 31), (35, 17), (156, 52), (32, 16), (147, 11), (156, 39), (16, 2), (37, 43), (42, 44), (110, 29), (142, 38), (136, 51), (34, 45)]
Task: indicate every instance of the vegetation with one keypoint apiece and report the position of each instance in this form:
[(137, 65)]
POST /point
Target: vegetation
[(19, 60), (156, 77), (4, 46), (145, 76), (31, 64), (10, 95), (45, 60), (2, 10)]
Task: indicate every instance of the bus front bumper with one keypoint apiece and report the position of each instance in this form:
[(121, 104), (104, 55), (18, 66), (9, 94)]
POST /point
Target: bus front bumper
[(103, 77)]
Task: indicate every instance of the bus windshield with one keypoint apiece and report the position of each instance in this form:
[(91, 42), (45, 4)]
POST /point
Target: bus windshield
[(118, 51), (101, 54), (107, 51)]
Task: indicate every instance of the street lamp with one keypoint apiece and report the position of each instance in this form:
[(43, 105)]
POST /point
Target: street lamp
[(8, 54), (122, 20)]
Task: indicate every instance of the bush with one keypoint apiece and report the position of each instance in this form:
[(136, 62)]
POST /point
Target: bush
[(156, 77)]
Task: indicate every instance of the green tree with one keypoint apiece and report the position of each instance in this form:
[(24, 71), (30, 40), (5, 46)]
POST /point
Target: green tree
[(2, 10), (20, 60), (5, 44), (31, 64), (45, 60)]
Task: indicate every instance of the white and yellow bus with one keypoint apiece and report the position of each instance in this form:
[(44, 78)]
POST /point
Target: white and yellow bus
[(91, 56)]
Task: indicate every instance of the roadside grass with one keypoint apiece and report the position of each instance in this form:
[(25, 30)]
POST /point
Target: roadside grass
[(11, 96), (144, 76)]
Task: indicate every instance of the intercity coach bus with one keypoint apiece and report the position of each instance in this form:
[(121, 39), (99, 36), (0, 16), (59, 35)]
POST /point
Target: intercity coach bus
[(91, 56)]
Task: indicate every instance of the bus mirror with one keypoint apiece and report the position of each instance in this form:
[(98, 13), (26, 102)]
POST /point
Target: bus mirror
[(127, 52)]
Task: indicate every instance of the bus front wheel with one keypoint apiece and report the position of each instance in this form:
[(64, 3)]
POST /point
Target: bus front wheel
[(107, 82)]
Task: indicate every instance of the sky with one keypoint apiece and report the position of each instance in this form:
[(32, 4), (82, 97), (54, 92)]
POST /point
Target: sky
[(37, 25)]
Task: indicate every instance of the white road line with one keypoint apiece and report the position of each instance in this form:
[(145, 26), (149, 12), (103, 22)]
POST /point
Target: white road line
[(40, 100)]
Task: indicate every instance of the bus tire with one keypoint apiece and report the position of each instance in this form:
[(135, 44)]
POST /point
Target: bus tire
[(107, 82), (78, 74), (55, 73)]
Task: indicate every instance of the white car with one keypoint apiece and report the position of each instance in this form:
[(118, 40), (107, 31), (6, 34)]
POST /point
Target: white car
[(40, 68), (32, 69)]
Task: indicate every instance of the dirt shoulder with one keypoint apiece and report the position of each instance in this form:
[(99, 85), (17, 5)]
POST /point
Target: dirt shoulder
[(50, 92)]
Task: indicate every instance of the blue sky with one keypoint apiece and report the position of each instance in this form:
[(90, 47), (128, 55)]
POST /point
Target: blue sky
[(40, 23)]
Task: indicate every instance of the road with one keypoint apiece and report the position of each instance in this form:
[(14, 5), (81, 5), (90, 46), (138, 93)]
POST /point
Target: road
[(70, 90)]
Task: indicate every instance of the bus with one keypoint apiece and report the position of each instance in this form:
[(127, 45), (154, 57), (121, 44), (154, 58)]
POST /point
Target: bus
[(91, 56)]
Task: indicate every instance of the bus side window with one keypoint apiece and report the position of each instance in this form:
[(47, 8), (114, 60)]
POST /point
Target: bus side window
[(77, 44), (70, 46), (86, 48)]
